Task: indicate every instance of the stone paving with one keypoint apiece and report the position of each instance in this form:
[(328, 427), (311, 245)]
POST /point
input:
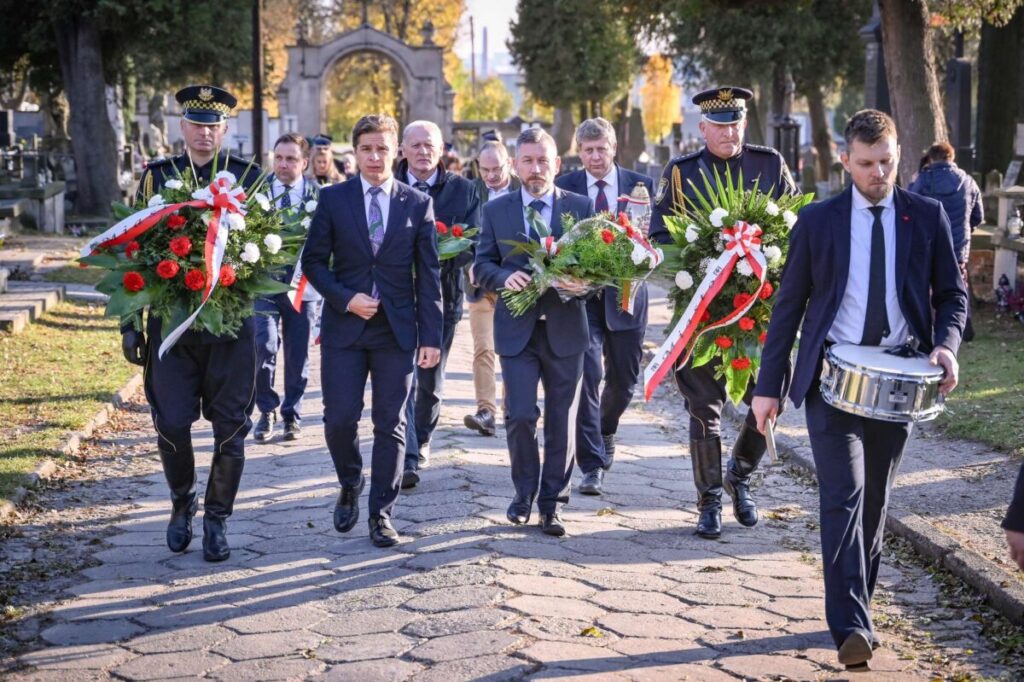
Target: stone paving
[(629, 594)]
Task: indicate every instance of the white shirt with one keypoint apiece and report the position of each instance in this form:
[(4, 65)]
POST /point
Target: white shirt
[(611, 190), (412, 179), (495, 193), (545, 213), (296, 192), (848, 326), (383, 199)]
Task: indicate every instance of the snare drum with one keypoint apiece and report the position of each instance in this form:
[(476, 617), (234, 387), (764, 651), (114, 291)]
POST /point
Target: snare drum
[(867, 381)]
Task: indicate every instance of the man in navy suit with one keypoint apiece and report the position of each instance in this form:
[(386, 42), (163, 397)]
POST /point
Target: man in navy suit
[(871, 266), (279, 322), (616, 337), (383, 295), (546, 344)]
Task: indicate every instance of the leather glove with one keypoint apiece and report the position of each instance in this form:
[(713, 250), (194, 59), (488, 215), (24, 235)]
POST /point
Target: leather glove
[(133, 345)]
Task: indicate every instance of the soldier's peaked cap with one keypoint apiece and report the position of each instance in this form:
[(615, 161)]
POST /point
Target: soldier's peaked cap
[(723, 105), (205, 104)]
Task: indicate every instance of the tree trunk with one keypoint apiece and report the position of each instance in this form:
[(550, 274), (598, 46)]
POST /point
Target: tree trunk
[(913, 86), (821, 136), (92, 137), (562, 128), (1000, 92)]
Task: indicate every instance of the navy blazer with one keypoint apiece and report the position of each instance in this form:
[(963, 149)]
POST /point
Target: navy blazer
[(405, 269), (310, 192), (616, 319), (566, 322), (814, 281)]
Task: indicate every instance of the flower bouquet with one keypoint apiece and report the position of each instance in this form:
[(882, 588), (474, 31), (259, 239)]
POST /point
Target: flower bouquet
[(591, 254), (451, 241), (197, 256), (730, 246)]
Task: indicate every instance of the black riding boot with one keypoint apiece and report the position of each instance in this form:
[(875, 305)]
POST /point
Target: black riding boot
[(225, 475), (180, 471), (707, 476), (746, 455)]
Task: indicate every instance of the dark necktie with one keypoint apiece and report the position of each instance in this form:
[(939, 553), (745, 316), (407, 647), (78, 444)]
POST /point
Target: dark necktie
[(876, 320), (537, 208), (423, 187), (286, 198), (601, 202)]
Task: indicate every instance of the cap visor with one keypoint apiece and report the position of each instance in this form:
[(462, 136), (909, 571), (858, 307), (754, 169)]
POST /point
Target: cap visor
[(724, 117), (205, 118)]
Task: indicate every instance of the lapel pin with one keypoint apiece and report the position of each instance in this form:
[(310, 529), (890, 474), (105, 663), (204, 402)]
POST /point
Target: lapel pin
[(906, 219)]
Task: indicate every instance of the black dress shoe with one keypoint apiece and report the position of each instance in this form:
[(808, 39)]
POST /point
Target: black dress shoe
[(519, 511), (552, 524), (609, 449), (410, 479), (346, 510), (179, 530), (482, 422), (593, 482), (382, 533), (855, 651), (215, 539), (292, 429), (264, 430)]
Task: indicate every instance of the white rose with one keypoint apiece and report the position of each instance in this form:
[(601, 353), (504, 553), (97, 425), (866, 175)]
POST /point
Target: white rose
[(227, 175), (743, 267), (250, 253), (305, 222), (174, 184), (262, 200), (790, 218), (273, 243), (772, 208), (310, 206), (236, 221), (772, 253), (684, 280), (155, 200), (640, 254), (691, 233), (717, 216)]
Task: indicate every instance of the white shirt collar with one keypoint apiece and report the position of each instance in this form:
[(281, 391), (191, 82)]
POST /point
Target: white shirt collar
[(386, 185), (431, 181), (860, 202), (548, 199), (609, 178)]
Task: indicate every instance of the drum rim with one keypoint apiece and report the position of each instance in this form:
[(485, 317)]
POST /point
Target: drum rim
[(931, 413), (926, 379)]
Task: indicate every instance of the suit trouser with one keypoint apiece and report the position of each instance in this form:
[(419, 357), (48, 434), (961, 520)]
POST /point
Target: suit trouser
[(615, 357), (281, 325), (481, 325), (561, 378), (705, 397), (214, 379), (423, 410), (856, 460), (343, 379)]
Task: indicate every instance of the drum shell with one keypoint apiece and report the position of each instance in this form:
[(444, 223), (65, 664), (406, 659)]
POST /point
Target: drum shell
[(880, 394)]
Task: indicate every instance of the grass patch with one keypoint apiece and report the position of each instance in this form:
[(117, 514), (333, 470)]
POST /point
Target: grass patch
[(986, 406), (73, 274), (57, 374)]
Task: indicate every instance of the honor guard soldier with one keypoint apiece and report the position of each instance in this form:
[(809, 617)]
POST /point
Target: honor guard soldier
[(723, 124), (214, 375)]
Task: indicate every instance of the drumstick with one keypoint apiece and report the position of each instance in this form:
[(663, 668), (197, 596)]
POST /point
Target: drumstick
[(769, 433)]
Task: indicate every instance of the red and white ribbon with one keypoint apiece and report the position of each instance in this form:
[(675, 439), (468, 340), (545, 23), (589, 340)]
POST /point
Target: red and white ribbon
[(298, 283), (743, 240)]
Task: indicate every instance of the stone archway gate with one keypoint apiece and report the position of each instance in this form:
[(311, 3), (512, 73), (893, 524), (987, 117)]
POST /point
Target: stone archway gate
[(425, 92)]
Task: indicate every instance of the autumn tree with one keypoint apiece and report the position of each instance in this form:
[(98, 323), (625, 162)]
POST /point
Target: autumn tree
[(660, 98), (491, 100)]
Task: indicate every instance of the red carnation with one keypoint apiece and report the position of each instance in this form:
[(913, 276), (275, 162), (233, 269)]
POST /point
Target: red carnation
[(456, 231), (133, 281), (740, 300), (227, 275), (131, 249), (607, 236), (167, 269), (176, 222), (623, 219), (180, 246), (766, 291), (763, 337), (723, 342), (741, 363), (441, 227), (747, 323), (195, 279)]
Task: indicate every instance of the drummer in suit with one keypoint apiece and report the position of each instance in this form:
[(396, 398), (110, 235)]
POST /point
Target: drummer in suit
[(723, 124), (616, 336), (851, 279)]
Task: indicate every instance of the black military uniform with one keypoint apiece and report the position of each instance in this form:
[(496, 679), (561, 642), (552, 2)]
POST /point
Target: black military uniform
[(202, 372), (704, 394)]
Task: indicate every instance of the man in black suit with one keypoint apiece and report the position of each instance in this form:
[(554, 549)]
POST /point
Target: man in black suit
[(616, 337), (455, 201), (1013, 523), (383, 296), (546, 344), (871, 266)]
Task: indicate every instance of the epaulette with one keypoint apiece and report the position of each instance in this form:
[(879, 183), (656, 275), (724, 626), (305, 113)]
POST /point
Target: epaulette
[(685, 157), (167, 160), (761, 149)]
